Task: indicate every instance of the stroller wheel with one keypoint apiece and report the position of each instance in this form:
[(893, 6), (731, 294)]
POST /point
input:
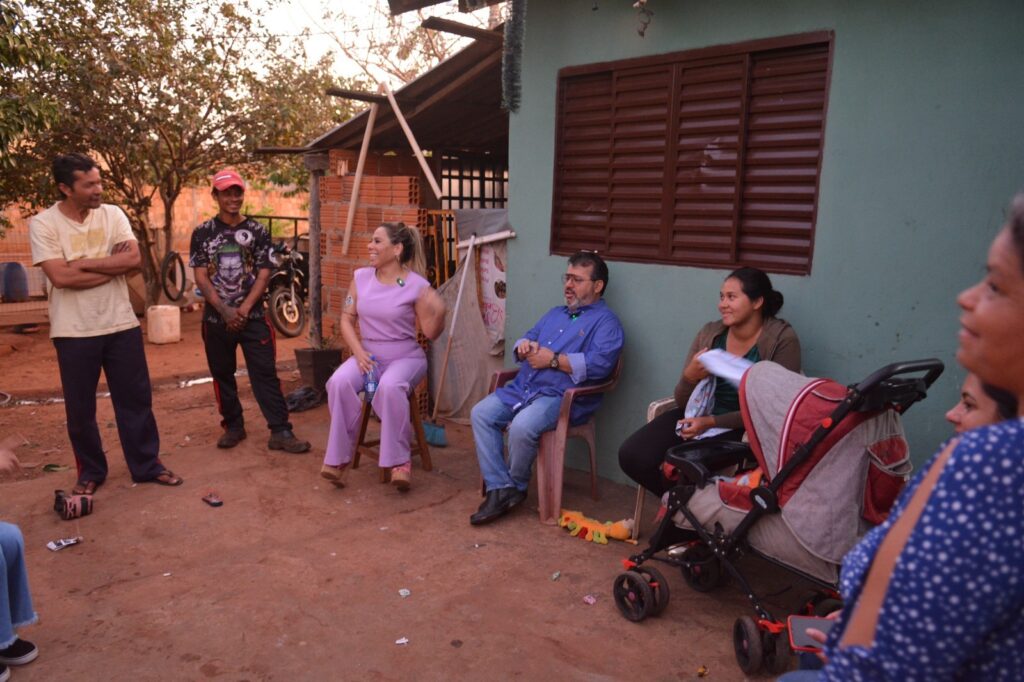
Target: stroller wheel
[(746, 641), (702, 569), (634, 596), (658, 585), (776, 652)]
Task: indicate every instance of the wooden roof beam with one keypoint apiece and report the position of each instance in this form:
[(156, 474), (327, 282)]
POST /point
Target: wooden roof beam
[(458, 28), (284, 150), (371, 97)]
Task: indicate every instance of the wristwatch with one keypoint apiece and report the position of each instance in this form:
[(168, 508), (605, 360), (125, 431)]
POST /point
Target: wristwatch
[(554, 361)]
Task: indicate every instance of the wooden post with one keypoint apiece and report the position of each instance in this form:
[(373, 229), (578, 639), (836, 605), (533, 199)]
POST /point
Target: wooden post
[(354, 202), (316, 164), (412, 141)]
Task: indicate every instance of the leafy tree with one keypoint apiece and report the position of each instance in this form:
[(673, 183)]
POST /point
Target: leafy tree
[(23, 55), (383, 46), (164, 92)]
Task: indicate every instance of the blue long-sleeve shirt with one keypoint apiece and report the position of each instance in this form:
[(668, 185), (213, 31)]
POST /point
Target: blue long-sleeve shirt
[(592, 338)]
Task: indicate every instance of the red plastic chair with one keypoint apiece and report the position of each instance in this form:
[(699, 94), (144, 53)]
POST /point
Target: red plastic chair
[(551, 450)]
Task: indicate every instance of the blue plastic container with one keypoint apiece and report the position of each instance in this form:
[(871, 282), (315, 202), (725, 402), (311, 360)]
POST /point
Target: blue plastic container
[(13, 283)]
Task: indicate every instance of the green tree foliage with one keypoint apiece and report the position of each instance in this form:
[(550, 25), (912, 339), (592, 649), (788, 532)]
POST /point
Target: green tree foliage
[(163, 92), (23, 55), (389, 47)]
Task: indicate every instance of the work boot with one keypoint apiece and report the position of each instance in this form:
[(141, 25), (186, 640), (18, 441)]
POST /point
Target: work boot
[(286, 440), (230, 438)]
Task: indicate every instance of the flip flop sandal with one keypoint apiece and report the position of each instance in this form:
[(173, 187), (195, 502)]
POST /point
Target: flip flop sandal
[(167, 477), (85, 488), (70, 507), (213, 499)]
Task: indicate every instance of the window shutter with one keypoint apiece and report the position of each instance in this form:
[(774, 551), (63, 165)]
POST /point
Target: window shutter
[(784, 141), (709, 157), (707, 170), (583, 172), (640, 126)]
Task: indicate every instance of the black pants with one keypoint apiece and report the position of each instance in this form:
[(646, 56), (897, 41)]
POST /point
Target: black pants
[(123, 360), (260, 352), (641, 455)]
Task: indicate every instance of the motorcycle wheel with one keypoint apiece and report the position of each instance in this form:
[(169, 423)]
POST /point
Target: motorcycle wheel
[(288, 313)]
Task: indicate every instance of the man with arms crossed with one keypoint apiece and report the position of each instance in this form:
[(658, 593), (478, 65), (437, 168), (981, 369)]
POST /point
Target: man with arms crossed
[(86, 248)]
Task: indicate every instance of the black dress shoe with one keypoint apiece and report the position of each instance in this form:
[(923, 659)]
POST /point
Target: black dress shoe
[(497, 503), (515, 498)]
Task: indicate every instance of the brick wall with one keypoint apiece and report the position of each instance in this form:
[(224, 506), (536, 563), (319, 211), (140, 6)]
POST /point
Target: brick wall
[(194, 205), (390, 192)]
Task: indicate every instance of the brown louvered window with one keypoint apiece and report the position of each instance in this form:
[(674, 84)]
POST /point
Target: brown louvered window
[(709, 157)]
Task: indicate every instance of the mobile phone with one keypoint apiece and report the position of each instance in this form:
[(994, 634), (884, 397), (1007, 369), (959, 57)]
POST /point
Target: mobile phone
[(798, 637)]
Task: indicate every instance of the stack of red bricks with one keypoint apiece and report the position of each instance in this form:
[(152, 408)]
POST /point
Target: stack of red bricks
[(389, 192)]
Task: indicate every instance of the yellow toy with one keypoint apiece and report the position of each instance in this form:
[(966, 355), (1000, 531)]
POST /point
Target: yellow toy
[(593, 530)]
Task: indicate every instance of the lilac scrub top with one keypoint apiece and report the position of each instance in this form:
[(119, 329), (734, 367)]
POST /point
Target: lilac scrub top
[(387, 312)]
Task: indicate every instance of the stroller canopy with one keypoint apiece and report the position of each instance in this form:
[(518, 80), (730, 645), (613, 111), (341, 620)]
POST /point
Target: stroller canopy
[(827, 500)]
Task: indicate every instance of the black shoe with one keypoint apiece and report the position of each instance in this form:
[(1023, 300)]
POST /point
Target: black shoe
[(231, 438), (19, 653), (286, 440), (515, 498), (497, 503)]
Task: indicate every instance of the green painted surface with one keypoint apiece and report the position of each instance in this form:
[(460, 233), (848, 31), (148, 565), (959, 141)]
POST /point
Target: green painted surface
[(923, 150)]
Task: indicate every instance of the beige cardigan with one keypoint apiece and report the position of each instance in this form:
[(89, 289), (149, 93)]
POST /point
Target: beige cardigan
[(778, 342)]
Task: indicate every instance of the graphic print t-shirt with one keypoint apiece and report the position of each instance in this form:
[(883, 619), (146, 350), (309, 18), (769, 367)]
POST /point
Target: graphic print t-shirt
[(232, 255)]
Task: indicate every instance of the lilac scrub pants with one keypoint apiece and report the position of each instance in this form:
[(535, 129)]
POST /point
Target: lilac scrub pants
[(401, 366)]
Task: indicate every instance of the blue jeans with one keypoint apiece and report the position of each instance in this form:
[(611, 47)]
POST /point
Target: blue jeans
[(490, 417), (15, 601)]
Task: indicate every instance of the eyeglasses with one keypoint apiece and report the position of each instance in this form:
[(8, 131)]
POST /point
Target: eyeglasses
[(576, 279)]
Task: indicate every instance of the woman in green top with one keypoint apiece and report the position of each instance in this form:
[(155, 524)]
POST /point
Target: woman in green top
[(748, 328)]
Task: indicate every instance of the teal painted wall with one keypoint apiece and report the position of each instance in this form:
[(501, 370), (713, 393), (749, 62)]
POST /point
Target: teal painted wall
[(923, 150)]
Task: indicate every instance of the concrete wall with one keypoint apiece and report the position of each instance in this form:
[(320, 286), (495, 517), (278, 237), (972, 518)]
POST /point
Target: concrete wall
[(923, 149)]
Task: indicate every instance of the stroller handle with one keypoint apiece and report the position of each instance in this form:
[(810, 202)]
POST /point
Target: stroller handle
[(932, 367)]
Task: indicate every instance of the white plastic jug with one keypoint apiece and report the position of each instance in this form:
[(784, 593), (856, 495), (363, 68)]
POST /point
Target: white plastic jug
[(163, 324)]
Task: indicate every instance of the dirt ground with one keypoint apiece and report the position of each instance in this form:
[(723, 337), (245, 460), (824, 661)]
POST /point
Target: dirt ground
[(294, 580)]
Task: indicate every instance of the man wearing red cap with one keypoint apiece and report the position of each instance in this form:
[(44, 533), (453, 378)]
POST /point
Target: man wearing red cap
[(230, 254)]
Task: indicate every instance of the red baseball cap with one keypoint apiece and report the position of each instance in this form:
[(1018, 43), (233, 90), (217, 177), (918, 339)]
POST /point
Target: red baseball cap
[(228, 177)]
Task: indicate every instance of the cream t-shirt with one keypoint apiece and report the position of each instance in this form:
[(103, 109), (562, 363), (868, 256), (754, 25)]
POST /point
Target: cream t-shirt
[(84, 312)]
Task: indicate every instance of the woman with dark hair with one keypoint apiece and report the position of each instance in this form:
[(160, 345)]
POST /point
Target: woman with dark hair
[(748, 328), (935, 592), (980, 405), (387, 300)]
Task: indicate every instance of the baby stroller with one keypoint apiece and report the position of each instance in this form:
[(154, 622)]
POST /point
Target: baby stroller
[(830, 461)]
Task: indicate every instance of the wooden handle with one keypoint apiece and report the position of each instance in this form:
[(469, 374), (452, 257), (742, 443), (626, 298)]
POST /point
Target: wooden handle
[(451, 329)]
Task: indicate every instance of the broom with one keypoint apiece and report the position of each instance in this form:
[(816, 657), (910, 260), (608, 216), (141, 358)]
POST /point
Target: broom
[(432, 430)]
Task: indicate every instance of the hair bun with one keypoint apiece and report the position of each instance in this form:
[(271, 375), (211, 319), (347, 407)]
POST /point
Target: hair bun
[(773, 301)]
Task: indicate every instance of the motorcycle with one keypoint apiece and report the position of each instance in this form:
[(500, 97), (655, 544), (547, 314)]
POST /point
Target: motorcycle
[(288, 290)]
